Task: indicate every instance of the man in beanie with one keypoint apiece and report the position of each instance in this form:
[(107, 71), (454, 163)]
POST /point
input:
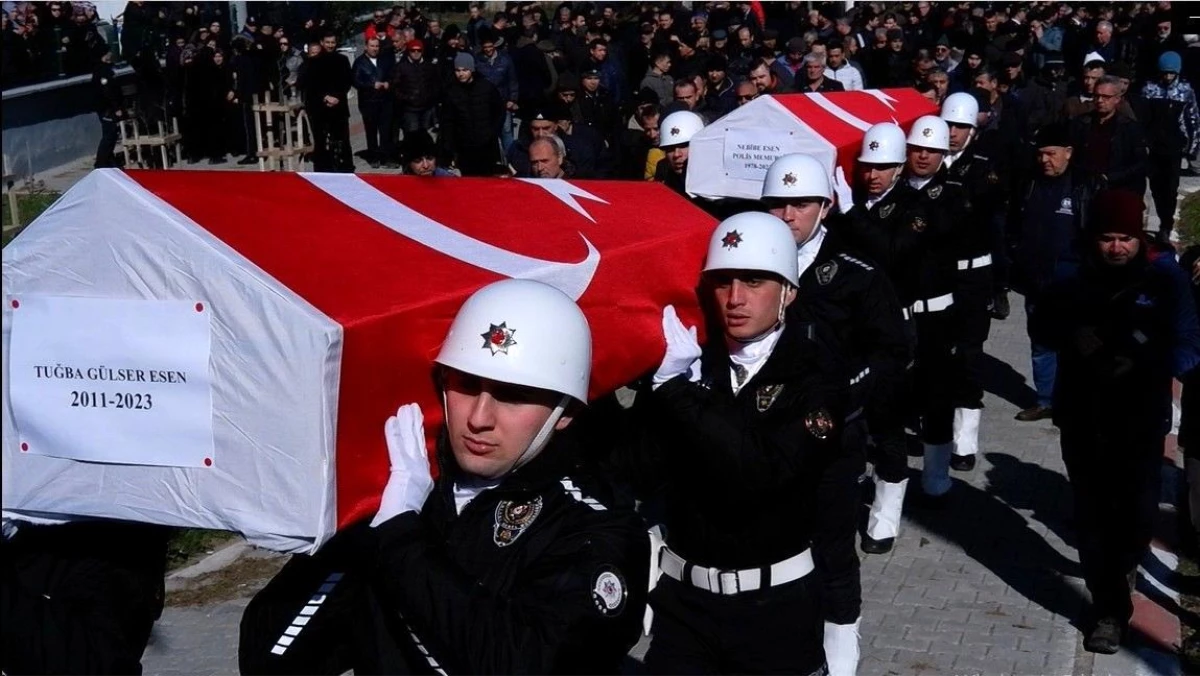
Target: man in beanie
[(1172, 123), (471, 116), (1123, 325)]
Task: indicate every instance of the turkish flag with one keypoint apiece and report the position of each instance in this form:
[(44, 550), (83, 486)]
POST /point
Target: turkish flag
[(378, 266)]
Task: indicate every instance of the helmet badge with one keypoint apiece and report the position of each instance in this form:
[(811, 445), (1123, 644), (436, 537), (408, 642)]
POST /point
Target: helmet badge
[(873, 145), (498, 338), (927, 132), (789, 179), (731, 240)]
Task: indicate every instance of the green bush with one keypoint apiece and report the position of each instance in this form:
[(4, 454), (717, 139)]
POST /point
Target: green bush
[(1188, 224), (29, 206)]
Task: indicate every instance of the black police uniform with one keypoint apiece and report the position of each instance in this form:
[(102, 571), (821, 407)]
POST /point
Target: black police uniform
[(81, 597), (856, 315), (740, 475), (108, 104), (979, 186), (545, 573)]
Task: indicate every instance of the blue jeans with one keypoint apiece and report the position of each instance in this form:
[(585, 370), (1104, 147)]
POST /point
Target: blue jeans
[(1045, 364)]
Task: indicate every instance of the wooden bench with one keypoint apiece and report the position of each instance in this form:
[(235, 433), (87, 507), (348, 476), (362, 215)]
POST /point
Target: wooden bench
[(287, 152), (166, 140)]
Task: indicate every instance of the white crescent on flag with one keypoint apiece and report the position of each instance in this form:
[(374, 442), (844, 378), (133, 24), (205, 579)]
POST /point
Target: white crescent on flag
[(570, 278)]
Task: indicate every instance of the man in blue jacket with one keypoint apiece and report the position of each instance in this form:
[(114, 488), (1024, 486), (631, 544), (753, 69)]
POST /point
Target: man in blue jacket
[(372, 79), (495, 66), (1123, 324)]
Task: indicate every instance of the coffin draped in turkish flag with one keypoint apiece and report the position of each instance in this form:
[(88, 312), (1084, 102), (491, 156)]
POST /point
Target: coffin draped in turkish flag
[(329, 297), (730, 157)]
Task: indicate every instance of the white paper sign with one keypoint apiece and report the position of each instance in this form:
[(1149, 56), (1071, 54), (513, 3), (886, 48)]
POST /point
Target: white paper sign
[(118, 381), (750, 152)]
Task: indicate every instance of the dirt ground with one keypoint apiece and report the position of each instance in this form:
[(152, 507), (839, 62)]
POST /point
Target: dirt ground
[(241, 579)]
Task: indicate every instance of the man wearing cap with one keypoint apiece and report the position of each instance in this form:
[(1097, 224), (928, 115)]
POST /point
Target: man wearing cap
[(675, 134), (750, 418), (720, 94), (1123, 325), (517, 559), (471, 115), (1169, 115), (1109, 145), (790, 64), (857, 319), (416, 88), (1048, 218), (598, 108)]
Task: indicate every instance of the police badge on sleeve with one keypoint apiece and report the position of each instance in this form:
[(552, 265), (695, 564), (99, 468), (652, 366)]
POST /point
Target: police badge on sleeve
[(513, 519), (609, 591)]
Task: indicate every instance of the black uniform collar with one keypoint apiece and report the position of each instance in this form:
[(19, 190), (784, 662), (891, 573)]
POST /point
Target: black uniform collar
[(554, 462), (781, 366)]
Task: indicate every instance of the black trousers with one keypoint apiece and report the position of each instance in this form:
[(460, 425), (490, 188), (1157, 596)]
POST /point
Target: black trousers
[(775, 630), (1163, 172), (834, 541), (1115, 474), (886, 418), (108, 143), (1001, 262), (973, 323), (331, 142), (80, 598), (934, 375), (377, 122)]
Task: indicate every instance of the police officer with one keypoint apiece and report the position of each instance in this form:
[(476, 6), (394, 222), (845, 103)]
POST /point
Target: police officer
[(744, 430), (675, 133), (907, 231), (108, 107), (1123, 325), (515, 560), (972, 167), (856, 315)]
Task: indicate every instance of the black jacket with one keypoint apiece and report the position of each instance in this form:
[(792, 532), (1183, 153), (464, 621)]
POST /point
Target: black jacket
[(856, 316), (739, 473), (416, 86), (981, 175), (327, 74), (908, 236), (366, 74), (473, 593), (1121, 334), (106, 90), (1049, 216), (1125, 151), (471, 115)]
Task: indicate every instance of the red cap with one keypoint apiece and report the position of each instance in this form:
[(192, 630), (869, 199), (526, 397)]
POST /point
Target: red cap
[(415, 44), (1117, 210)]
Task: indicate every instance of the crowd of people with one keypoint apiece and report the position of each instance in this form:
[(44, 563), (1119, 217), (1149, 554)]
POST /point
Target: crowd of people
[(847, 318), (44, 40)]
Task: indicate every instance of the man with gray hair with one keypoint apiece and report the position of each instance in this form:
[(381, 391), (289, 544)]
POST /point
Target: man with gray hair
[(548, 157), (1111, 147), (1103, 43), (811, 78)]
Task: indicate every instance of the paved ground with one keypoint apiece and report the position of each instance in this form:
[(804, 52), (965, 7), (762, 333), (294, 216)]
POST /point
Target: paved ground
[(989, 586)]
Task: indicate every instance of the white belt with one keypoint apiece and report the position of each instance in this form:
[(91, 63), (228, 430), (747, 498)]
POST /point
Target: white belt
[(934, 304), (906, 313), (730, 582), (972, 263)]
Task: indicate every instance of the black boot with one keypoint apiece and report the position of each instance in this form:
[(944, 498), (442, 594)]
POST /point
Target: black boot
[(1000, 308), (1105, 637), (872, 546)]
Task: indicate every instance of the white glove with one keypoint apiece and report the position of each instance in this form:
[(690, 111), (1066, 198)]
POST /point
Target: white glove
[(841, 648), (845, 196), (683, 350), (410, 482)]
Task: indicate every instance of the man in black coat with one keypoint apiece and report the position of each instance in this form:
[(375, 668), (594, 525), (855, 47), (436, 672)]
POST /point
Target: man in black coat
[(416, 88), (372, 79), (1110, 146), (108, 108), (471, 115), (327, 81)]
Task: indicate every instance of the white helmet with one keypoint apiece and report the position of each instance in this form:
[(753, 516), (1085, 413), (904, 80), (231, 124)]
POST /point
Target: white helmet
[(525, 333), (797, 175), (678, 128), (754, 241), (961, 108), (883, 144), (930, 131)]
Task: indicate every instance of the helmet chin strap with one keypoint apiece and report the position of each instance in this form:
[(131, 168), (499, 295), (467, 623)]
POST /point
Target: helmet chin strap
[(543, 436), (778, 320)]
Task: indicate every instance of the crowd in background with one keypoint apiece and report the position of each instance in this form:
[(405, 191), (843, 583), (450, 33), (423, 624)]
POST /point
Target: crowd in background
[(47, 39)]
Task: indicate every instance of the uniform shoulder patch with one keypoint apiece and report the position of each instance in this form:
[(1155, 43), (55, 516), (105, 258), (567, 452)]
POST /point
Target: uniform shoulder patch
[(609, 591), (825, 272), (851, 259), (935, 192)]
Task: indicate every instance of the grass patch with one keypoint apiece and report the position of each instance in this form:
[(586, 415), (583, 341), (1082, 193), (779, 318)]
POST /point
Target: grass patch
[(30, 204), (1187, 226), (189, 545)]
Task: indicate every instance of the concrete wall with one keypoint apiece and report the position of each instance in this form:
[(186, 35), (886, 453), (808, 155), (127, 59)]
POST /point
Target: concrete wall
[(50, 124)]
